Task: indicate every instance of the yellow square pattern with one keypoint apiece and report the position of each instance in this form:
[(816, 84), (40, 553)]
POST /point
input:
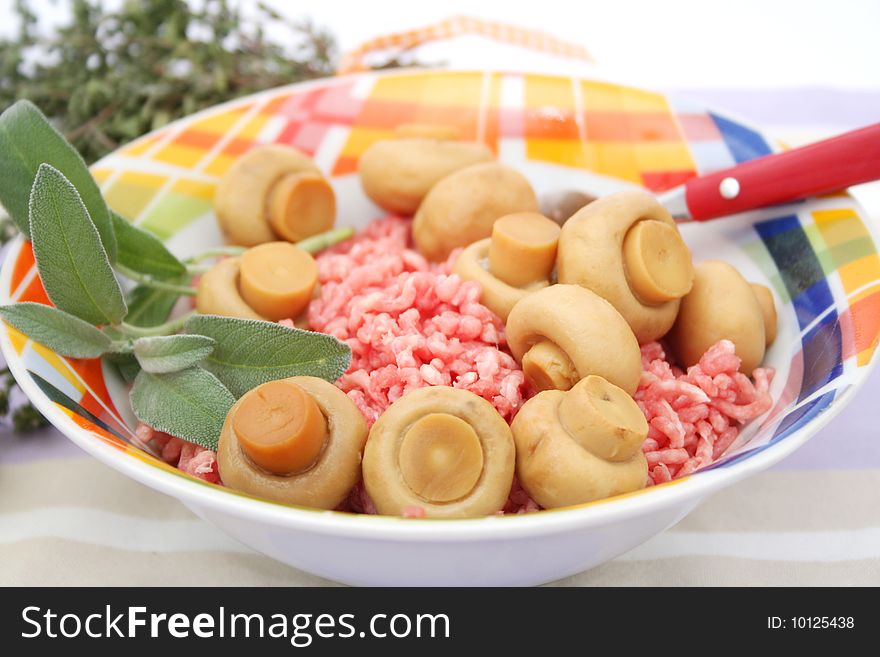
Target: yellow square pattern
[(839, 226), (545, 91), (859, 273), (130, 192), (359, 139), (460, 89), (606, 97), (185, 157), (562, 151)]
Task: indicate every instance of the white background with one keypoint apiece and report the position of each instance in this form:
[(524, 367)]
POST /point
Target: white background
[(668, 43)]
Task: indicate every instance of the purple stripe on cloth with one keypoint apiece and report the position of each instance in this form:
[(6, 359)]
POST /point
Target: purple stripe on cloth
[(48, 443), (793, 107)]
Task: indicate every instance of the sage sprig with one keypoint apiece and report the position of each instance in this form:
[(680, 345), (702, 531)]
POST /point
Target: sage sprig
[(183, 384), (171, 353), (61, 332), (249, 352), (191, 404), (28, 140), (71, 258), (143, 252)]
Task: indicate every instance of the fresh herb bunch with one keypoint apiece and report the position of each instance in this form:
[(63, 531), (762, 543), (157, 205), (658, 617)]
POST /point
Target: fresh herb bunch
[(107, 77), (183, 384)]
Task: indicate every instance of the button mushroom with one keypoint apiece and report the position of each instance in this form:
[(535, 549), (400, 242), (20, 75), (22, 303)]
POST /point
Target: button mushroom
[(397, 173), (627, 249), (443, 449), (768, 310), (579, 446), (218, 292), (563, 333), (274, 191), (295, 441), (720, 306), (516, 260), (461, 208), (271, 281)]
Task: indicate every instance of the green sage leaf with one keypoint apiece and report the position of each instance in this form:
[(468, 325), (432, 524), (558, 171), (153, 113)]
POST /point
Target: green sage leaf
[(148, 306), (144, 252), (70, 258), (62, 333), (126, 364), (191, 404), (250, 352), (27, 140), (171, 353)]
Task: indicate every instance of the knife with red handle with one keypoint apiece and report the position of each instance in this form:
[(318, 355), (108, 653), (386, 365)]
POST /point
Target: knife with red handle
[(824, 166)]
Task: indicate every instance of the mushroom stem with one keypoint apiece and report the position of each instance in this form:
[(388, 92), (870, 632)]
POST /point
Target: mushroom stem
[(522, 249), (149, 281), (658, 263), (301, 204), (441, 458), (280, 427), (548, 367), (602, 418)]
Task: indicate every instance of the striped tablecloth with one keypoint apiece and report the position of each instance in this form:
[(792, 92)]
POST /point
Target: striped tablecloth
[(66, 519)]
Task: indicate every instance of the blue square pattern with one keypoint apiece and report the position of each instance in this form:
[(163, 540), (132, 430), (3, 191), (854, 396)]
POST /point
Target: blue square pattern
[(823, 355), (744, 144), (800, 270), (789, 424)]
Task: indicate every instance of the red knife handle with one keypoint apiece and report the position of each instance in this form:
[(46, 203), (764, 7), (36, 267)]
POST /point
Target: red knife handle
[(825, 166)]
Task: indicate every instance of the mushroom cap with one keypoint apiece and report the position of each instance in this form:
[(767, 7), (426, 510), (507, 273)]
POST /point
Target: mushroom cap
[(327, 483), (556, 470), (461, 208), (585, 326), (397, 173), (720, 306), (218, 291), (591, 255), (385, 481), (243, 194), (768, 309), (472, 264)]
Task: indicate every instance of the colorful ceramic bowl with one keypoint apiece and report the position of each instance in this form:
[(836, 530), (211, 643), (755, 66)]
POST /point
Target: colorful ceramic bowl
[(819, 257)]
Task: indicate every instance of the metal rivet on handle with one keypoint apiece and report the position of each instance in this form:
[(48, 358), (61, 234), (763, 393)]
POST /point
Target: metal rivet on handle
[(729, 188)]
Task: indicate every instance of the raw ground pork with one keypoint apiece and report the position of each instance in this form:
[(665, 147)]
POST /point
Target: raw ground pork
[(409, 324), (192, 459), (694, 416)]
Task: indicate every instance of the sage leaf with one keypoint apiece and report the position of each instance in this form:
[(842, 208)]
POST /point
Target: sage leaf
[(62, 333), (171, 353), (191, 404), (126, 364), (27, 140), (250, 352), (143, 252), (70, 258), (148, 306)]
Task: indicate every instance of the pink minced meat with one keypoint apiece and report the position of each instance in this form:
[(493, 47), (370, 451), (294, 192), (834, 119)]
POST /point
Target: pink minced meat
[(410, 323), (190, 458), (694, 416)]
